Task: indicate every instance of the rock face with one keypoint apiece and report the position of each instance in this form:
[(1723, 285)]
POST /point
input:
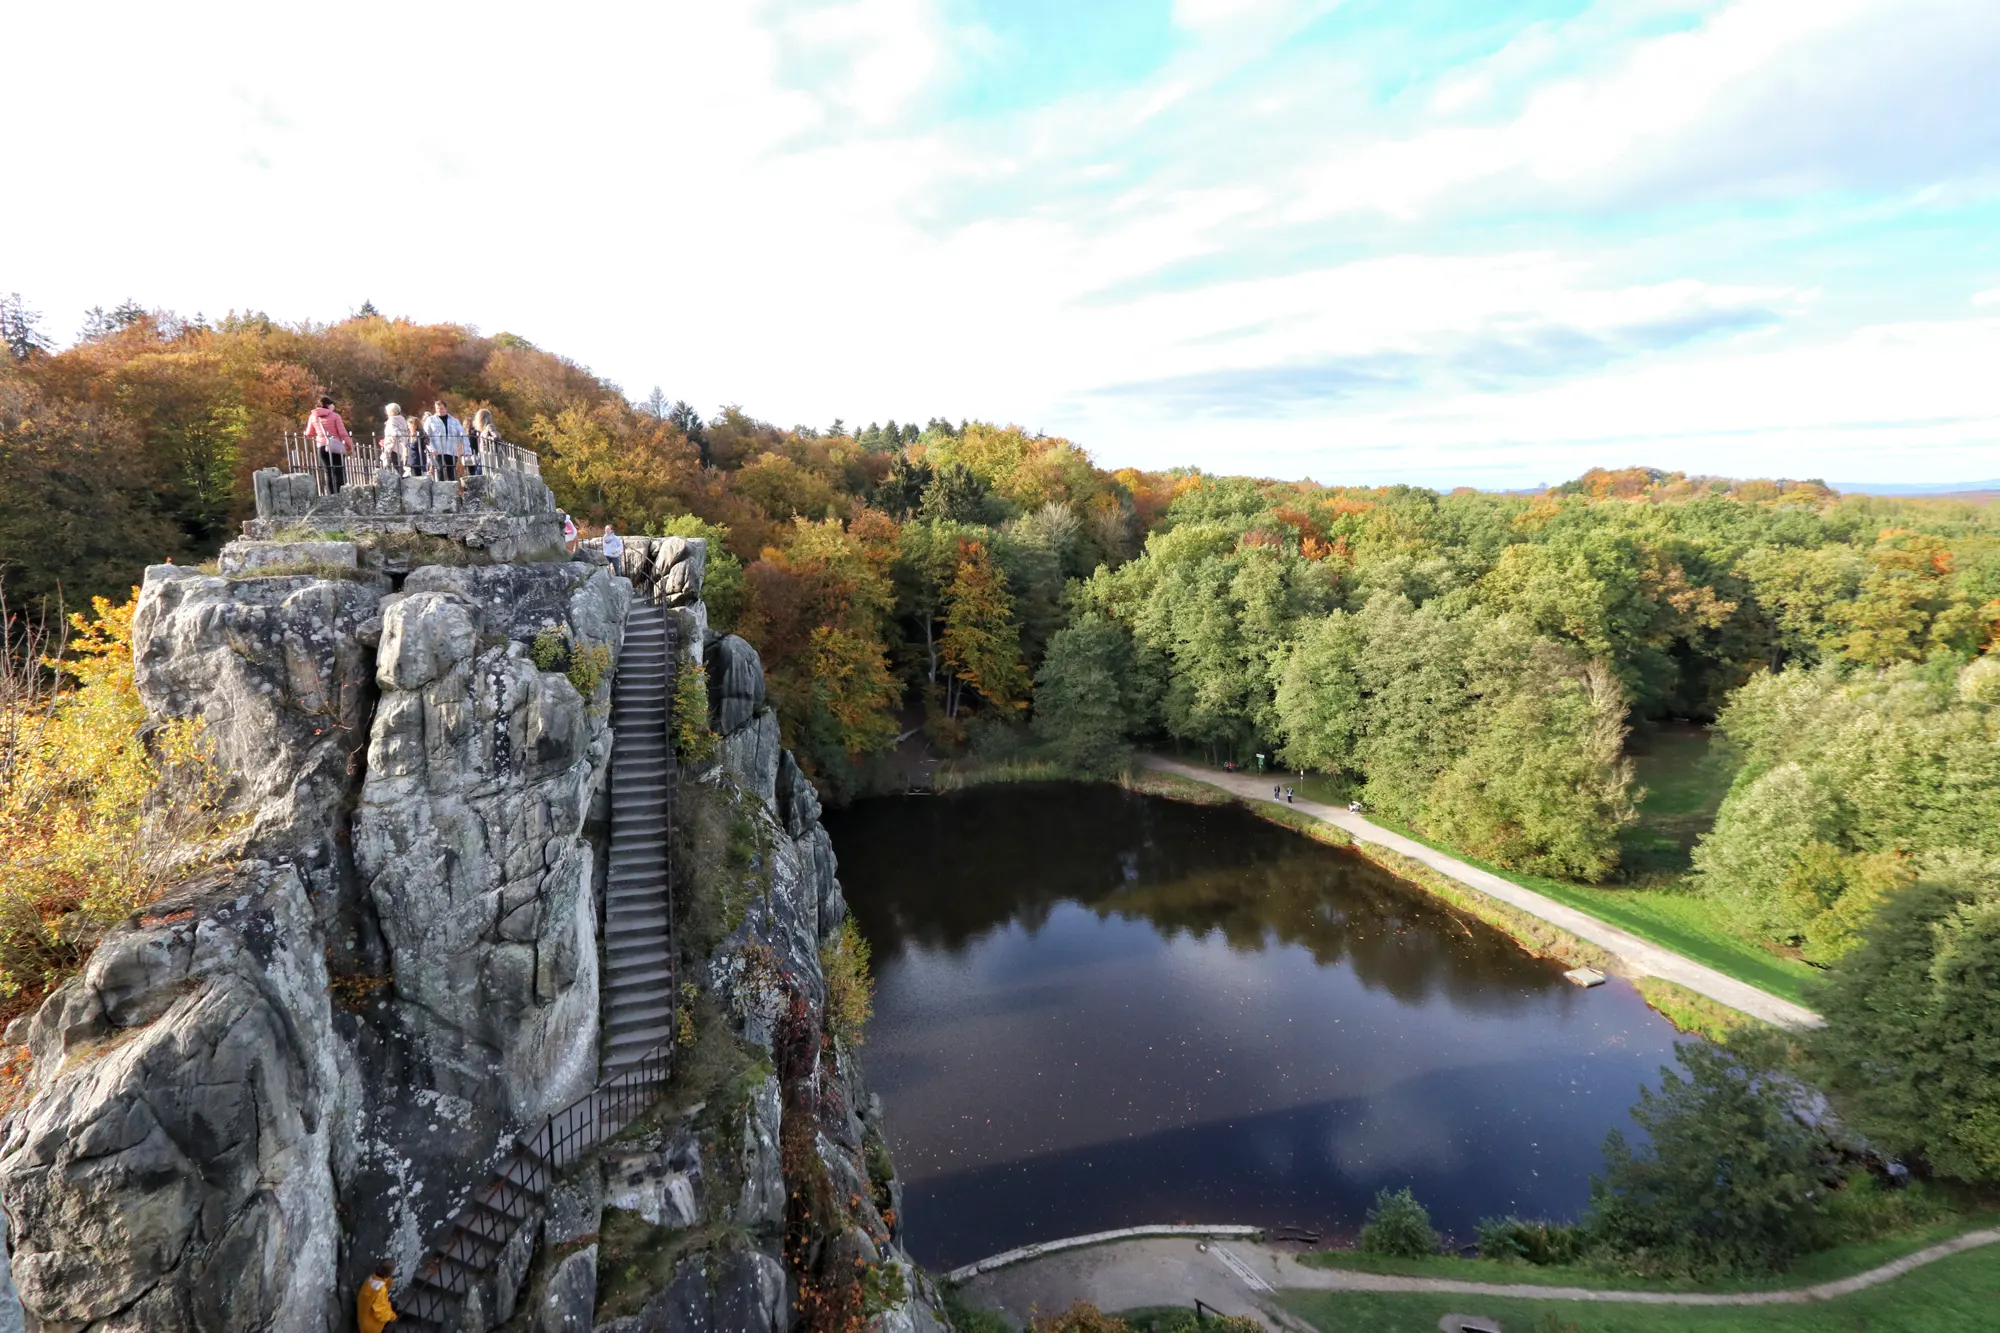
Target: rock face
[(296, 1066), (174, 1167)]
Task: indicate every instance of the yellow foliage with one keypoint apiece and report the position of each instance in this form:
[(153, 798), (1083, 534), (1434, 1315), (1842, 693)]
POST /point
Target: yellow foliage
[(96, 819), (850, 991)]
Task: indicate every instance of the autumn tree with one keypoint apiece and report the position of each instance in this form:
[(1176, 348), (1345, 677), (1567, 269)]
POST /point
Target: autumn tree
[(981, 643)]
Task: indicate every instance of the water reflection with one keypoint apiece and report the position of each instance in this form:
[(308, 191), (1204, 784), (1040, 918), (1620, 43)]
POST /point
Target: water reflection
[(1098, 1009)]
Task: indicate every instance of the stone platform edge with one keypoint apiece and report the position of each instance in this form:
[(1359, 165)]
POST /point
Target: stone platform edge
[(1036, 1251)]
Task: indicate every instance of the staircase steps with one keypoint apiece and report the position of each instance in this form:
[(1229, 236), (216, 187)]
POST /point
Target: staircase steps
[(638, 990)]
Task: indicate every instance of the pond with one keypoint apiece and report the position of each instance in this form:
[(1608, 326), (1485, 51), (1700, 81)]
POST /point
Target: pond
[(1098, 1009)]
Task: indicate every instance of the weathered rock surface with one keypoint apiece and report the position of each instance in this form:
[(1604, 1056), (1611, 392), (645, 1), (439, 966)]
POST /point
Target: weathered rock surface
[(720, 1291), (171, 1168), (281, 1076), (277, 669), (570, 1300), (497, 517)]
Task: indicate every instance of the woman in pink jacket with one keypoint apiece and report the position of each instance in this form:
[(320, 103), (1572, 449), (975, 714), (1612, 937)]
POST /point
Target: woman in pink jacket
[(328, 432)]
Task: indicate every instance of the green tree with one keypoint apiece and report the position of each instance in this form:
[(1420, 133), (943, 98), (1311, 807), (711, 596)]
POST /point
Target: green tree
[(1727, 1181), (1081, 693), (1911, 1051)]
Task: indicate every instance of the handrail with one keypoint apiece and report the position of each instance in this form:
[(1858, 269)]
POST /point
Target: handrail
[(364, 456)]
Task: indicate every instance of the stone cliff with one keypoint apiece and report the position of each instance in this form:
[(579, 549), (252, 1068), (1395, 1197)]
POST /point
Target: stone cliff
[(297, 1064)]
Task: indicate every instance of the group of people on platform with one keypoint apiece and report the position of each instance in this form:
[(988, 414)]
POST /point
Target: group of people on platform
[(439, 446)]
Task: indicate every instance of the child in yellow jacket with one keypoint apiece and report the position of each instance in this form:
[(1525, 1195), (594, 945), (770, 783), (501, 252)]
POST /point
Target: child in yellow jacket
[(372, 1308)]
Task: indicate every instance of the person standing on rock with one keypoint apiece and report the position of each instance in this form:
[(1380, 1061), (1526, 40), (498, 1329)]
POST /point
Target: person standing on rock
[(371, 1308), (485, 442), (445, 434), (396, 438), (569, 532), (614, 547), (328, 433)]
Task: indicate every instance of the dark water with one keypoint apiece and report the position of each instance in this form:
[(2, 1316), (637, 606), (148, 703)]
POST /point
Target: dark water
[(1097, 1009)]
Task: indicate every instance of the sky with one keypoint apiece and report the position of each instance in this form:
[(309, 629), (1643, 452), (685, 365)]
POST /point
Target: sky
[(1446, 242)]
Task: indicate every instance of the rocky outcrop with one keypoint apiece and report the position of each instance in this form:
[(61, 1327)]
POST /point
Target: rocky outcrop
[(294, 1067), (172, 1168), (496, 517), (282, 672)]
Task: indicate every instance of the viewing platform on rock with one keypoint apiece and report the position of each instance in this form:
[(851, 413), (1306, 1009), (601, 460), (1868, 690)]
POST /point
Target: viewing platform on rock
[(400, 521)]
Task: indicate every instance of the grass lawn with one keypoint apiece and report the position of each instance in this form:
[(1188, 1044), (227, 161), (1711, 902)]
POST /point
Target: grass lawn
[(1683, 790), (1823, 1266), (1955, 1295)]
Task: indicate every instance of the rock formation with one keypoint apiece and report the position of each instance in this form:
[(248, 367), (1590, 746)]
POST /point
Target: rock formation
[(298, 1062)]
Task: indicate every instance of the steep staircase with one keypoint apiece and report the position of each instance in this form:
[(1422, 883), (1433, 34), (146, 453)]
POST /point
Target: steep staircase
[(638, 918), (637, 990)]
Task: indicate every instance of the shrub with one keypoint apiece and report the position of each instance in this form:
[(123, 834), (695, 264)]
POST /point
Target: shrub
[(1511, 1238), (589, 663), (1729, 1181), (550, 650), (1398, 1225), (694, 742), (99, 815), (1082, 1317), (850, 991)]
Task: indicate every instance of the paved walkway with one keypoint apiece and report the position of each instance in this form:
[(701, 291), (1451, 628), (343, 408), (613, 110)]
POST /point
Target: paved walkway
[(1241, 1277), (1642, 957)]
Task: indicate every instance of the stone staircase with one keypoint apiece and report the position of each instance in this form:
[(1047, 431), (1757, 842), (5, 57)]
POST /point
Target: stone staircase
[(638, 985), (638, 999)]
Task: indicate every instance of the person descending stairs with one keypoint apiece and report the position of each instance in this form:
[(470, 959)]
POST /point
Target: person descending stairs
[(638, 922)]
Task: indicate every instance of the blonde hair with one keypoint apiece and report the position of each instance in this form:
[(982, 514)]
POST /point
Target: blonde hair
[(482, 418)]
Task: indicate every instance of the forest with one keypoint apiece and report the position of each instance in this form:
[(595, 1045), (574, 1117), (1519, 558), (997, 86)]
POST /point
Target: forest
[(1472, 665)]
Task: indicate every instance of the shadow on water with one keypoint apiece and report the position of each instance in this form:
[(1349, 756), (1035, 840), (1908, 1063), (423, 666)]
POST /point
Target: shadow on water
[(1099, 1009)]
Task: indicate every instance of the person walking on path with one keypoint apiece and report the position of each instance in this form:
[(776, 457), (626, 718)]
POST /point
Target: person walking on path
[(614, 547), (371, 1308), (328, 433), (1276, 795), (445, 434), (1288, 797), (396, 438)]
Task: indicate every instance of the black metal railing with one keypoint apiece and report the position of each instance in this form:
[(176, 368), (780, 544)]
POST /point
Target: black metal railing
[(362, 457)]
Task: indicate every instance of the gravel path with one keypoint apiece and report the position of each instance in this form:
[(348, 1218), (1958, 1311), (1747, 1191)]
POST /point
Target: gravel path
[(1640, 956), (1242, 1277)]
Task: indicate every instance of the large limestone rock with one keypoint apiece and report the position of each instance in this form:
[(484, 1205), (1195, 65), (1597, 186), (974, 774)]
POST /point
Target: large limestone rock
[(171, 1166), (469, 833), (280, 671), (735, 683)]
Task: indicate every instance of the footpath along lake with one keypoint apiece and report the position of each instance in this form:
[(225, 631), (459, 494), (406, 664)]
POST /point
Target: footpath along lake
[(1098, 1009)]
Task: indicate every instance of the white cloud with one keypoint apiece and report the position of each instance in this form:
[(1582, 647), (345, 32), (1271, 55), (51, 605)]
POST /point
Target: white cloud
[(747, 205)]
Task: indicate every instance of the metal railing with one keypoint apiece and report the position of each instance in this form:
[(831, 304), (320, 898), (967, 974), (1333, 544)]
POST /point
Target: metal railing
[(471, 1240), (365, 456)]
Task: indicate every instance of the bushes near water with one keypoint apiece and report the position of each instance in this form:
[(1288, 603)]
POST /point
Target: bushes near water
[(1398, 1226), (850, 991)]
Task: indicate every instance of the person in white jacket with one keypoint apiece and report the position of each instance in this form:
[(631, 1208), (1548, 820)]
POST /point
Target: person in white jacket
[(445, 434), (396, 438)]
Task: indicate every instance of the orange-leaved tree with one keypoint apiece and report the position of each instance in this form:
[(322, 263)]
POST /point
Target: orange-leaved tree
[(982, 641), (816, 608)]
